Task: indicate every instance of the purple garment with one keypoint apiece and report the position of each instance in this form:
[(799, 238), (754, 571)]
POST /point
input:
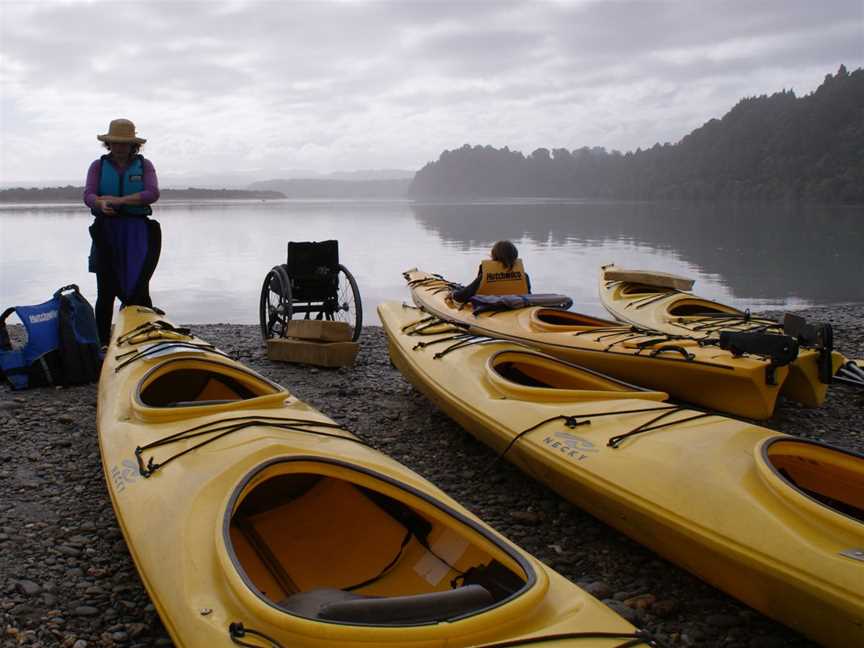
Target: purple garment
[(129, 241), (149, 195)]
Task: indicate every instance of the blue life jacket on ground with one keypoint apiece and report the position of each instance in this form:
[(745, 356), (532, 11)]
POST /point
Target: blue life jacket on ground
[(62, 343)]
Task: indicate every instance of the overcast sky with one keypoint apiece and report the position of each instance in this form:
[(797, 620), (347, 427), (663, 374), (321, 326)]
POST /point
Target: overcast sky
[(257, 87)]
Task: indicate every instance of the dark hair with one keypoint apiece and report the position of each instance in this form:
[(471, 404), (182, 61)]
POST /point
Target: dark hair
[(133, 151), (505, 252)]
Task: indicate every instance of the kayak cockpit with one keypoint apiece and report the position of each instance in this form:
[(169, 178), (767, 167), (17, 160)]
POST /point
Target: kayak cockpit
[(634, 290), (197, 383), (553, 319), (830, 477), (527, 373), (699, 307), (330, 542)]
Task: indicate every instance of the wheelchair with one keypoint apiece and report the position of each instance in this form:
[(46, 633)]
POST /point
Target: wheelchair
[(312, 284)]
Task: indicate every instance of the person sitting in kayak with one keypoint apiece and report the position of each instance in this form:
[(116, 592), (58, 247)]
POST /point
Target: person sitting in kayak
[(503, 274)]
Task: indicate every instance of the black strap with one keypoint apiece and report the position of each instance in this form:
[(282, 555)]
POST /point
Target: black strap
[(408, 535), (616, 440), (675, 348), (639, 637), (5, 341), (72, 287), (573, 420), (237, 631)]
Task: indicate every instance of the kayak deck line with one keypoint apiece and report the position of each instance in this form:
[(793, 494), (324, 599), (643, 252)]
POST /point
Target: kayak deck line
[(154, 327), (638, 638), (575, 420), (233, 425), (641, 303), (161, 347)]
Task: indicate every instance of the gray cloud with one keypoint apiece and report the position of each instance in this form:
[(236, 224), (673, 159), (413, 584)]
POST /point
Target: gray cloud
[(236, 86)]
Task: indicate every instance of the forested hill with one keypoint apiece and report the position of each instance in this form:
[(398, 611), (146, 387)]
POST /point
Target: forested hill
[(774, 147)]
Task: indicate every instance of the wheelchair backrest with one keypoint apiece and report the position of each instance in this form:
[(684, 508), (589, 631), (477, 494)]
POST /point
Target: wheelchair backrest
[(313, 268)]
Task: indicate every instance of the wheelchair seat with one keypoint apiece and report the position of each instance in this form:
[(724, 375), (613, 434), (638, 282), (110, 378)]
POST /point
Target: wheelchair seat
[(313, 267)]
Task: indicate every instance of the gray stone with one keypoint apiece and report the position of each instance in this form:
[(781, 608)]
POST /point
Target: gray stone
[(85, 611), (28, 588), (599, 589), (628, 613)]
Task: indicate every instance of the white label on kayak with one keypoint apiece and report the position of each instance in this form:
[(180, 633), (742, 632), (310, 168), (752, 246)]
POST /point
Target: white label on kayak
[(450, 546), (168, 349)]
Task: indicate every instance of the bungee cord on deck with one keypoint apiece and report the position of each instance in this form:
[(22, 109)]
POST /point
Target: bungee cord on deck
[(637, 638), (163, 345), (154, 326), (224, 427)]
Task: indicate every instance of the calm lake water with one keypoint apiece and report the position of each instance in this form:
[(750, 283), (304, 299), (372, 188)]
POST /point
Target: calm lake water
[(215, 255)]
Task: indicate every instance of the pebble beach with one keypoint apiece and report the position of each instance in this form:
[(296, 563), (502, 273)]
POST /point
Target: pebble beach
[(66, 577)]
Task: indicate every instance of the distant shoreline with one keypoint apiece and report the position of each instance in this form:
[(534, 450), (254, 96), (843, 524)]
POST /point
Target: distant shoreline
[(165, 201), (267, 190)]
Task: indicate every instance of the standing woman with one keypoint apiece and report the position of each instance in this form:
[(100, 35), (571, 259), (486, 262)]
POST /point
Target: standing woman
[(120, 188)]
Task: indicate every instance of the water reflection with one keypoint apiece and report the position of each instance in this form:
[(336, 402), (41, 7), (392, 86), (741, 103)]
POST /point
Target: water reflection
[(215, 256), (758, 252)]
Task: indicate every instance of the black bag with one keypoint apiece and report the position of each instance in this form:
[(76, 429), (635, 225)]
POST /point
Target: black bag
[(80, 354)]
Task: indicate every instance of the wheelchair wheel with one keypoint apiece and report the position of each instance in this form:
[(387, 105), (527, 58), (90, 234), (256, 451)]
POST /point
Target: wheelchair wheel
[(275, 308), (348, 307)]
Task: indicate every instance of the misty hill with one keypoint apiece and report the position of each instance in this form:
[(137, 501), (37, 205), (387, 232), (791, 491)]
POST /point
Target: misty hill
[(70, 193), (808, 148), (333, 188)]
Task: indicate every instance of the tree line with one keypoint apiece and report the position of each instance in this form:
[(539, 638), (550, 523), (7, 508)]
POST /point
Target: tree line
[(777, 147)]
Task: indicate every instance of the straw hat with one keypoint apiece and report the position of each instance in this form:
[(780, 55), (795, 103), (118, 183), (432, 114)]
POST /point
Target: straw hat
[(121, 130)]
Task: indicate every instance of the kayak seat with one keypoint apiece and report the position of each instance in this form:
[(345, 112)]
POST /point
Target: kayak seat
[(199, 403), (339, 605)]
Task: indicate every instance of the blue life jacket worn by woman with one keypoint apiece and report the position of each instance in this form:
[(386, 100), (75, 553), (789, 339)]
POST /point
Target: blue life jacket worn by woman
[(125, 246), (131, 182)]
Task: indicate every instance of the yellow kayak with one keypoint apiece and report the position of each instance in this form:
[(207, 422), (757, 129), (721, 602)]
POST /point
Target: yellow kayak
[(252, 517), (773, 520), (745, 385), (677, 312)]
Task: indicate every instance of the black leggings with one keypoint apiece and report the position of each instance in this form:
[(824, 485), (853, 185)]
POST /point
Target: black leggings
[(106, 293)]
